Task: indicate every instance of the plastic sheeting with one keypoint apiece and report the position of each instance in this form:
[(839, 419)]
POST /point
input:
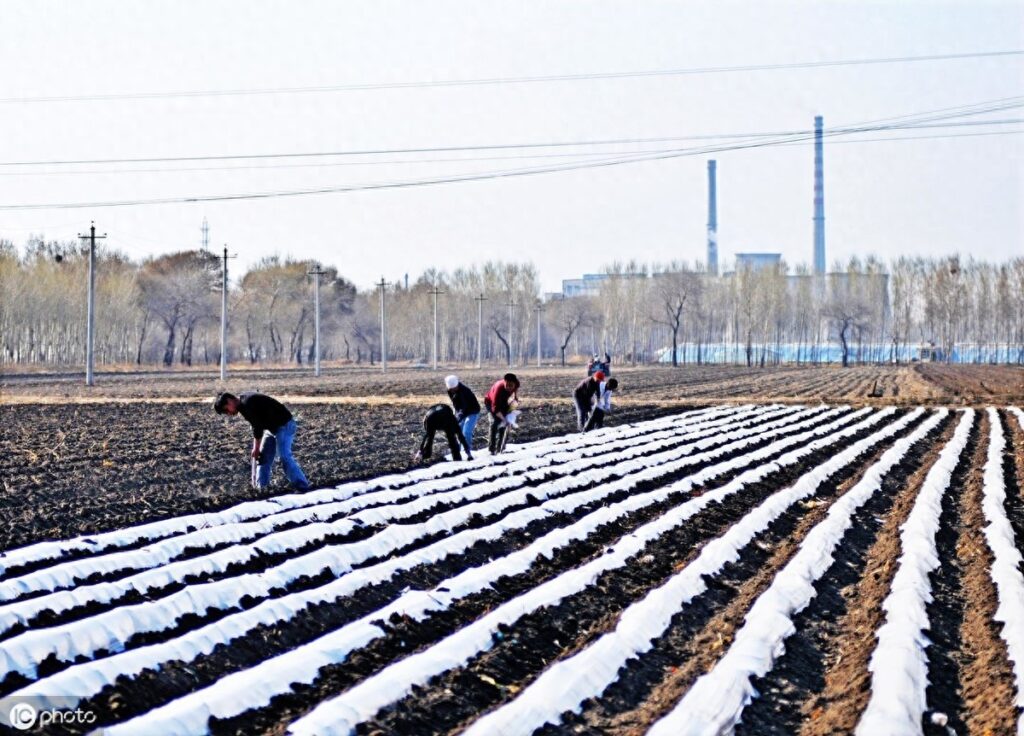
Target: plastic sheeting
[(111, 629), (568, 683), (716, 701), (1006, 563), (44, 551), (342, 714), (86, 679), (899, 665), (161, 553)]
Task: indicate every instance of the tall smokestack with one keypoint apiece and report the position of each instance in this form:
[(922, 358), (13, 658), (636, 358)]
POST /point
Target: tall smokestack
[(819, 200), (712, 221)]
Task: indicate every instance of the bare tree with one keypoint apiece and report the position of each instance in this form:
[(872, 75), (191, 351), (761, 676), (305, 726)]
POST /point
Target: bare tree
[(566, 316), (675, 288)]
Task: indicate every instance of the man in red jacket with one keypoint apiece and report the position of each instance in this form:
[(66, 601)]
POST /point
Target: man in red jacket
[(498, 402)]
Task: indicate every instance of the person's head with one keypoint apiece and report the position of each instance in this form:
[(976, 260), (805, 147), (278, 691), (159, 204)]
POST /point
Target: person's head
[(226, 403), (599, 376), (613, 383), (511, 382), (451, 382)]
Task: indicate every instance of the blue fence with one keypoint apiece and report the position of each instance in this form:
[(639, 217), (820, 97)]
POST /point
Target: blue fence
[(832, 353)]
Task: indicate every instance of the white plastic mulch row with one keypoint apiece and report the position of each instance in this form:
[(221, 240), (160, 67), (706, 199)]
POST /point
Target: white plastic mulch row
[(587, 674), (1017, 413), (254, 687), (155, 557), (1006, 558), (899, 664), (716, 701), (86, 679), (111, 629), (340, 715), (245, 511)]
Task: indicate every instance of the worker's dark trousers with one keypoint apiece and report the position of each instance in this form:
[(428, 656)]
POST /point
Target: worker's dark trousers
[(497, 427), (596, 420), (427, 445), (582, 414)]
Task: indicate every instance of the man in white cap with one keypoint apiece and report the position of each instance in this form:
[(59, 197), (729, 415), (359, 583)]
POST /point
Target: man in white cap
[(466, 406)]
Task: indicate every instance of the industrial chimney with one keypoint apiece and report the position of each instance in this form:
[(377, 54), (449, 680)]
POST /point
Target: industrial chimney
[(819, 200), (712, 221)]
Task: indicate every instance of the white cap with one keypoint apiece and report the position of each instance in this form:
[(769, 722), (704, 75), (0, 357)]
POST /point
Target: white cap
[(451, 381)]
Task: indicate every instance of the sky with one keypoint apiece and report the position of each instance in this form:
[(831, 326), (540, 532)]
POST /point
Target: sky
[(924, 195)]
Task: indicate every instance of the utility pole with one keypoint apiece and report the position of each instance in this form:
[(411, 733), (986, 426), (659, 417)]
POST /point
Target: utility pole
[(91, 309), (539, 309), (435, 292), (511, 312), (480, 330), (316, 273), (223, 314), (383, 327)]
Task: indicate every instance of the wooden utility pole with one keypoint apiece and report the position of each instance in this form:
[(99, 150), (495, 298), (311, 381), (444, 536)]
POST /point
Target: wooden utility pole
[(383, 326), (223, 314), (316, 273), (539, 309), (435, 292), (91, 308), (480, 330)]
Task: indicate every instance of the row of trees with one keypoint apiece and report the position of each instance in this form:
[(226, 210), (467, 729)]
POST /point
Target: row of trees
[(166, 311)]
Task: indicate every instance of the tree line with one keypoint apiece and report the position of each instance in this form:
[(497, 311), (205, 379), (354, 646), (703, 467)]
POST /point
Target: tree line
[(165, 310)]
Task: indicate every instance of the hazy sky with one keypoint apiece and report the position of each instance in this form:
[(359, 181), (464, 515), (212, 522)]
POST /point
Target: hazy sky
[(927, 195)]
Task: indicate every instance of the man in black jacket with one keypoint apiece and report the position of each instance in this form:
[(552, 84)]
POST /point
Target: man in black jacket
[(466, 406), (266, 414), (583, 398), (441, 418)]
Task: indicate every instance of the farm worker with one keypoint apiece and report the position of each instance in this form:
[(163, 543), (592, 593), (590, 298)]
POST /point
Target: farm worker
[(498, 402), (465, 404), (583, 398), (441, 418), (266, 414), (596, 365), (602, 404)]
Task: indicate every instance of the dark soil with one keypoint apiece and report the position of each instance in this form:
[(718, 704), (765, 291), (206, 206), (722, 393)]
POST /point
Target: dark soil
[(799, 675), (320, 619), (558, 631), (74, 469)]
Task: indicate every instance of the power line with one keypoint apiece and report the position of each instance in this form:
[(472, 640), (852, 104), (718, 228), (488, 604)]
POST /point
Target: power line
[(980, 108), (512, 80), (510, 173), (473, 159)]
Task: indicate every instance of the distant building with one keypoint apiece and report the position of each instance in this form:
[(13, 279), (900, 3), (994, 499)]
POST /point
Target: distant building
[(590, 284), (757, 261)]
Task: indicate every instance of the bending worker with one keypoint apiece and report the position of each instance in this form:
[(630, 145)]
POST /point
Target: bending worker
[(466, 406), (267, 416), (602, 404), (499, 404), (583, 398), (441, 418)]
